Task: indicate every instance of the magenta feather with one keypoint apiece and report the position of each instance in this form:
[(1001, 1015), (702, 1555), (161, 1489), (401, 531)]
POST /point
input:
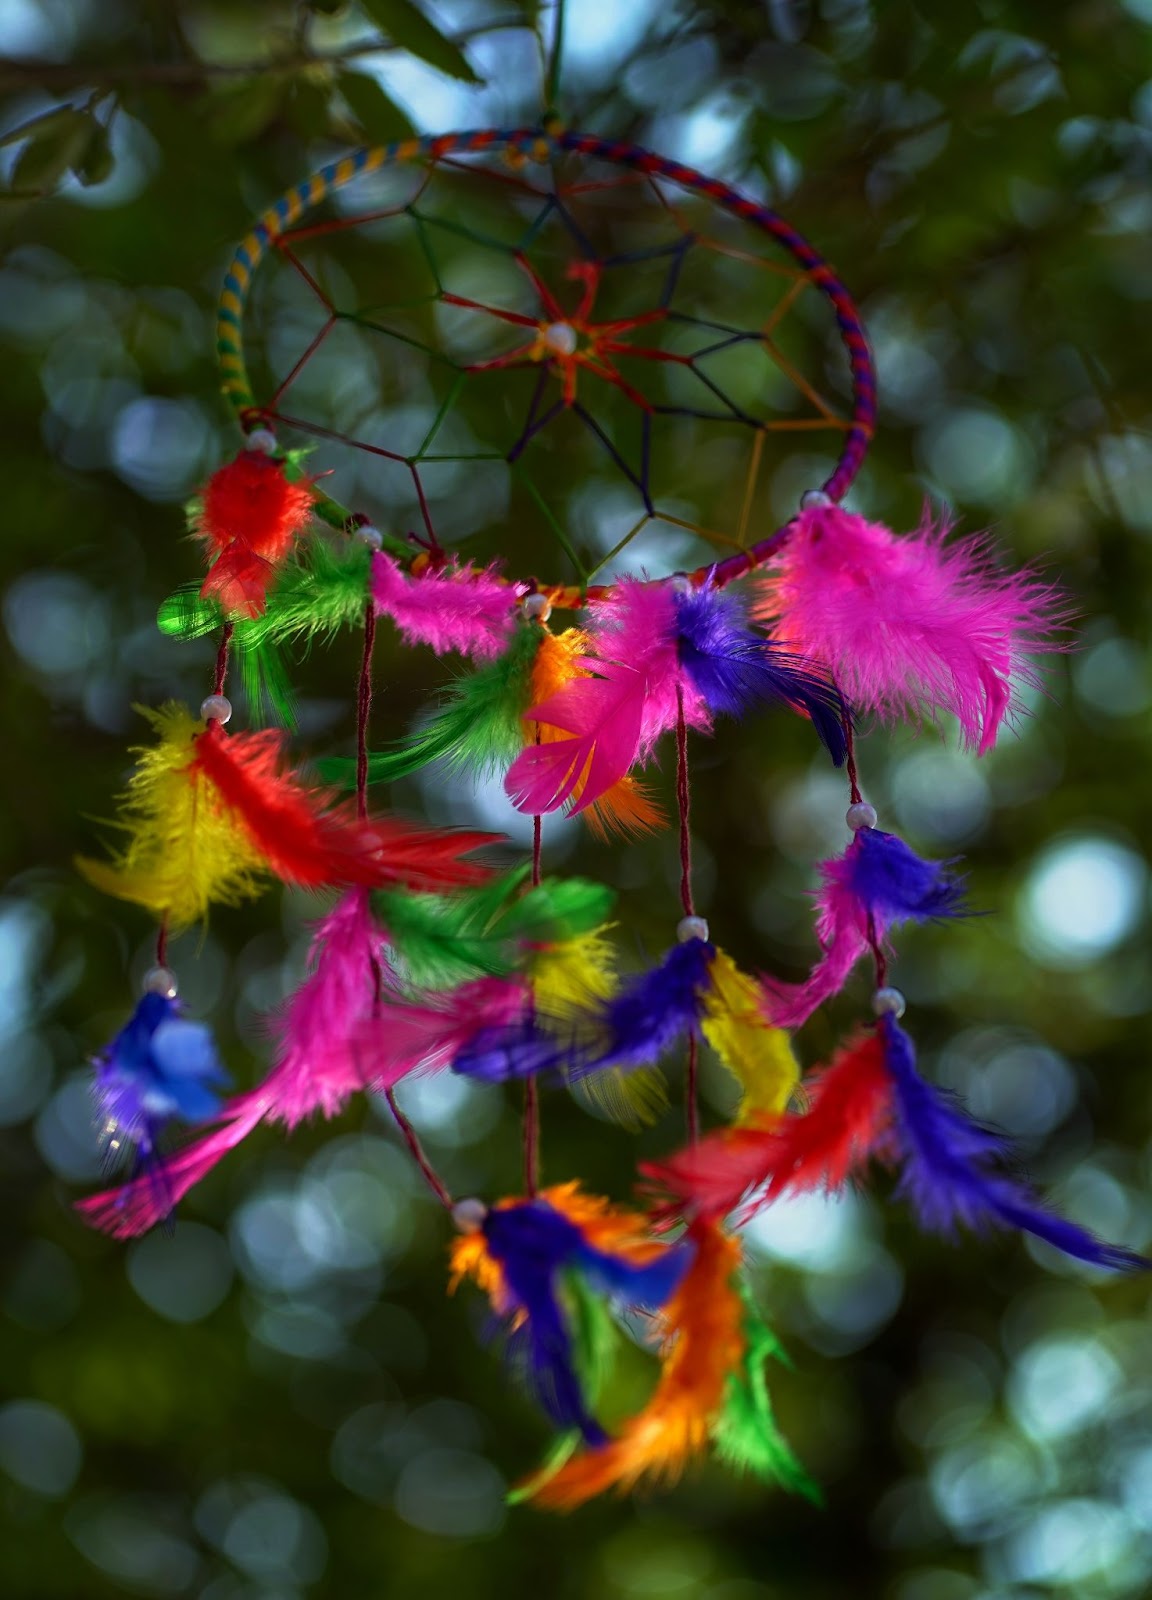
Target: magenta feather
[(450, 608), (320, 1062), (427, 1035), (842, 933), (613, 719), (910, 626)]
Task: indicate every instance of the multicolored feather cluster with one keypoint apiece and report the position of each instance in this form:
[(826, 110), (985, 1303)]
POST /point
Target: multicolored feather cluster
[(659, 653), (210, 815)]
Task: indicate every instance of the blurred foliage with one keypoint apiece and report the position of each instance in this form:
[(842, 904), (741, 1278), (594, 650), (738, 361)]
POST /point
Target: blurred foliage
[(278, 1401)]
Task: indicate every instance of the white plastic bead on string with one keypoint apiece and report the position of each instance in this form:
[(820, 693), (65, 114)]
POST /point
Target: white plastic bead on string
[(888, 1003), (217, 708), (262, 440), (370, 536), (537, 607), (560, 338), (860, 815), (815, 500), (691, 928), (160, 980), (468, 1215), (680, 583)]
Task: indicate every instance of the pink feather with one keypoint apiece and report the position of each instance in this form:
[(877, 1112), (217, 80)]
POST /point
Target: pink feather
[(450, 608), (614, 718), (426, 1036), (910, 626), (320, 1062), (842, 932)]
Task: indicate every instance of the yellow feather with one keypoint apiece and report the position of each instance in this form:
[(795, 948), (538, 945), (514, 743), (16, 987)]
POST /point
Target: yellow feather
[(184, 848), (568, 978), (757, 1055)]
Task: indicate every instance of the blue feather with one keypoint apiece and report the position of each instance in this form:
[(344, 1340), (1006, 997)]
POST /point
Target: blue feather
[(655, 1009), (632, 1029), (735, 668), (534, 1243), (896, 885), (159, 1068), (947, 1174)]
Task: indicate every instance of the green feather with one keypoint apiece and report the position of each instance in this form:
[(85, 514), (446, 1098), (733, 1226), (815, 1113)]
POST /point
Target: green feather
[(745, 1432), (186, 615), (318, 596), (445, 939), (267, 686), (595, 1340), (478, 727)]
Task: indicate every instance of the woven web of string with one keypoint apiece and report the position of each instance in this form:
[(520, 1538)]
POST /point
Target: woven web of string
[(489, 339)]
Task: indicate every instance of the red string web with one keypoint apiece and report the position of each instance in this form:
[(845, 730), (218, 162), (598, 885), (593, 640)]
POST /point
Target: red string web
[(507, 357)]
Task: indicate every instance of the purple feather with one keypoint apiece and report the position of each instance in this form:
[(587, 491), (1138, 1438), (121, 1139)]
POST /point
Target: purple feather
[(533, 1242), (519, 1049), (632, 1029), (948, 1174), (654, 1009), (734, 668), (895, 884), (158, 1069)]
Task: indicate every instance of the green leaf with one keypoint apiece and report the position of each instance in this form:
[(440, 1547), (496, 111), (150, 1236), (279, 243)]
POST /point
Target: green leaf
[(51, 151), (97, 161), (406, 25), (238, 112), (379, 116)]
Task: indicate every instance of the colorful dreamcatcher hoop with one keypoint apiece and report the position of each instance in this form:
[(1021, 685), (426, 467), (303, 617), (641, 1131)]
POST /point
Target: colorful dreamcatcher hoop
[(431, 958)]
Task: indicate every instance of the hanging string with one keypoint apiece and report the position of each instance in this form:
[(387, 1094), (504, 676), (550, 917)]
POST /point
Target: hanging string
[(531, 1128), (222, 659), (879, 958), (683, 805), (363, 710)]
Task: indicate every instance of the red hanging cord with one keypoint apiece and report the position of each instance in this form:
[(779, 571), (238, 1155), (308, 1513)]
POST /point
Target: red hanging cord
[(683, 802)]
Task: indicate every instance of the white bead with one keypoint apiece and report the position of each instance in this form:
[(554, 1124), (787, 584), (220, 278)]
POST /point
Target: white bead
[(691, 928), (370, 536), (537, 606), (888, 1003), (160, 980), (468, 1215), (561, 338), (217, 708), (261, 439), (814, 499), (860, 815), (680, 583)]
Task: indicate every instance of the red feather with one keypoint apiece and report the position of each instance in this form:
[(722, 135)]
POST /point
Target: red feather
[(249, 518), (310, 842), (848, 1114)]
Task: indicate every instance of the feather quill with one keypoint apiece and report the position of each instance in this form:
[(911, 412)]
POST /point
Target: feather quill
[(910, 626), (950, 1174)]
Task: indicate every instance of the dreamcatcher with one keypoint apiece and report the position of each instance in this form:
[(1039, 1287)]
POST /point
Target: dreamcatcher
[(609, 288)]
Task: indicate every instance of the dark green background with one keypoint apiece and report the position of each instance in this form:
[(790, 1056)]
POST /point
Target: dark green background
[(305, 1413)]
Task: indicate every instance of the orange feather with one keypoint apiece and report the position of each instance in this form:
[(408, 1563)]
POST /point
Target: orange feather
[(705, 1342)]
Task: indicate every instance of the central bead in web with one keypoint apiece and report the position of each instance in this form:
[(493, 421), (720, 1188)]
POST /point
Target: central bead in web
[(559, 339)]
